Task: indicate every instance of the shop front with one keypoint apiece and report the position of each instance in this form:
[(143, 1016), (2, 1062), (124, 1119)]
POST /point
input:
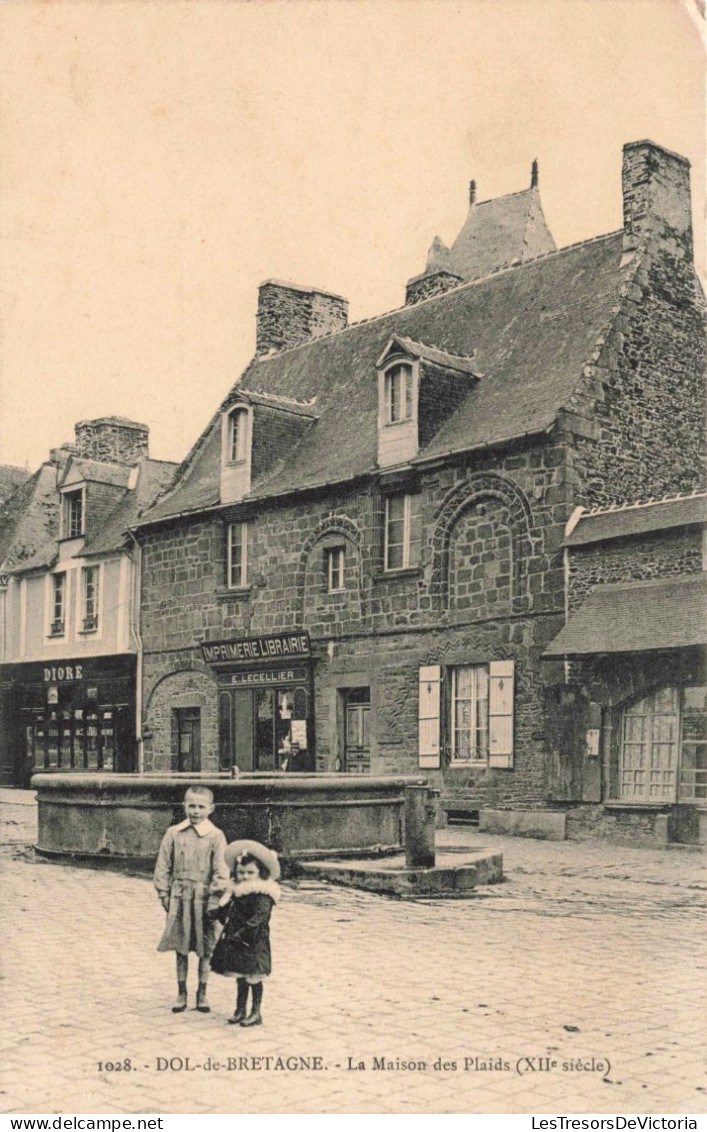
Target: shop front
[(74, 715), (265, 702)]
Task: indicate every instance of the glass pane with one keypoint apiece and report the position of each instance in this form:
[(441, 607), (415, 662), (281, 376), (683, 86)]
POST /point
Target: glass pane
[(695, 699)]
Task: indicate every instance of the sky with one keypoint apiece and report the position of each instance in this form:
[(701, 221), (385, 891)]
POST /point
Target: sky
[(161, 159)]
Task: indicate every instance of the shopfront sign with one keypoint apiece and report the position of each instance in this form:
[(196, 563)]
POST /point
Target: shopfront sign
[(266, 676), (62, 673), (252, 651)]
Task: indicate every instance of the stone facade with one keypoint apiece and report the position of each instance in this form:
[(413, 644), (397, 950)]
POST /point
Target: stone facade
[(112, 440), (490, 582), (289, 315)]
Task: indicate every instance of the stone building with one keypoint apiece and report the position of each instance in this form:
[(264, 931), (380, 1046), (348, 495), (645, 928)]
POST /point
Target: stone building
[(627, 741), (67, 603), (361, 564)]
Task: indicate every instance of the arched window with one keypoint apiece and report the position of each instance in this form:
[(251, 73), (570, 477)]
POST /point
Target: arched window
[(398, 393), (663, 747), (237, 436)]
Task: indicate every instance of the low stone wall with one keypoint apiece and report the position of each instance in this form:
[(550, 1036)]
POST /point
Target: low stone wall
[(548, 825), (122, 818)]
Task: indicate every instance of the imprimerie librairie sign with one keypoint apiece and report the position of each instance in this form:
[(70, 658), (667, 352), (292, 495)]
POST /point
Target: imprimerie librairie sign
[(249, 651)]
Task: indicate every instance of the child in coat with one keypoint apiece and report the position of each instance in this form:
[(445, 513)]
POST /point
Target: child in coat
[(243, 950), (190, 868)]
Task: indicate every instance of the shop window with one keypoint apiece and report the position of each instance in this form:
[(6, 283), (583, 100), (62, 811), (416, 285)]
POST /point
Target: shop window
[(693, 776), (402, 535), (237, 436), (73, 514), (237, 555), (470, 714), (90, 581), (186, 739), (58, 607), (398, 393), (663, 747), (335, 557)]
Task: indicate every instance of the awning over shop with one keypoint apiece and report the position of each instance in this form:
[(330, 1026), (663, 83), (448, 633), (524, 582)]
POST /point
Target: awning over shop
[(637, 617)]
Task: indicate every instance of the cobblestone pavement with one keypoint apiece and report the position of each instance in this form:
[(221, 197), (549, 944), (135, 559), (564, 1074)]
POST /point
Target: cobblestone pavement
[(588, 961)]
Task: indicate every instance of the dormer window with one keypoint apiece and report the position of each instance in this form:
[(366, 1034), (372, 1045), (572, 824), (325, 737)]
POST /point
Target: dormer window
[(398, 393), (238, 436), (73, 514), (236, 452)]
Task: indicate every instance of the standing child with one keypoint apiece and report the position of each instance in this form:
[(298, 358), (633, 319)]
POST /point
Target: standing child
[(243, 951), (191, 866)]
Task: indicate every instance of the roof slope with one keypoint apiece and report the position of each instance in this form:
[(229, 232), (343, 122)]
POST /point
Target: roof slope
[(624, 522), (498, 232), (530, 330), (153, 477), (636, 617), (29, 522), (11, 478)]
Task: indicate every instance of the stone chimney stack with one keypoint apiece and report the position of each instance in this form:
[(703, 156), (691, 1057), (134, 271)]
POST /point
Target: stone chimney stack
[(289, 315), (656, 191), (113, 440)]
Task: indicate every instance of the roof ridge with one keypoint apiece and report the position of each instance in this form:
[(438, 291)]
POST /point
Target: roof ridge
[(504, 196), (435, 298), (616, 508)]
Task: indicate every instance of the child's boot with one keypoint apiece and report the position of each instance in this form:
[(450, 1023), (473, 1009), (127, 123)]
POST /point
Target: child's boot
[(254, 1018), (181, 1003), (202, 1004), (241, 999)]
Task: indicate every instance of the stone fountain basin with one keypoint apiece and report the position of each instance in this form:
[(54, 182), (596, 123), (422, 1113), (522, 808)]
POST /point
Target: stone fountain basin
[(120, 818)]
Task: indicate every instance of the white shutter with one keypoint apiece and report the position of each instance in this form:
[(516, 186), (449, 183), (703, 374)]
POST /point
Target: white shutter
[(501, 713), (430, 677)]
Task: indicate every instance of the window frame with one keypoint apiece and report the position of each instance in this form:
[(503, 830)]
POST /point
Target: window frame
[(404, 370), (474, 729), (90, 576), (332, 553), (242, 581), (69, 499), (237, 435), (407, 543), (57, 624)]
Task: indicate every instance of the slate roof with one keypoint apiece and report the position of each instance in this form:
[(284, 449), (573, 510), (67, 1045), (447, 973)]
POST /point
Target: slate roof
[(431, 354), (29, 522), (11, 478), (637, 617), (154, 476), (99, 471), (530, 330), (639, 519), (499, 232)]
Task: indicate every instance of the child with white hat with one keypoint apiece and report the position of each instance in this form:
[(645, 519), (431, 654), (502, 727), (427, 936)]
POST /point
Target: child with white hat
[(243, 950)]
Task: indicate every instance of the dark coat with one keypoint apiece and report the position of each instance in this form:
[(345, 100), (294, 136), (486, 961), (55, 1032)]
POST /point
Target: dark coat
[(244, 945)]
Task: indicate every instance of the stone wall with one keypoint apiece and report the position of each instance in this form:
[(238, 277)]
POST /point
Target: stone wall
[(661, 554), (289, 315), (381, 627), (425, 286), (112, 439)]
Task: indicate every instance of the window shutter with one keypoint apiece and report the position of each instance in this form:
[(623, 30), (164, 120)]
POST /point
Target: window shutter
[(501, 713), (430, 677)]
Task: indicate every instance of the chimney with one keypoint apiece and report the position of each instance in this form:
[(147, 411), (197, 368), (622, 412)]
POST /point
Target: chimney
[(534, 174), (656, 191), (289, 315), (472, 192), (114, 440)]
